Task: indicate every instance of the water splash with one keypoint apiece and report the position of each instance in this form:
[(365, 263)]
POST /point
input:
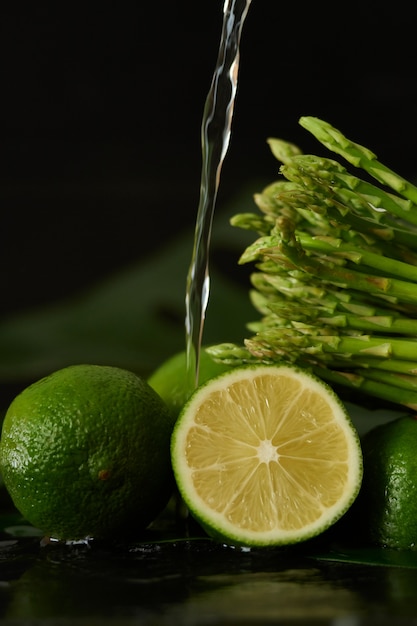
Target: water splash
[(215, 138)]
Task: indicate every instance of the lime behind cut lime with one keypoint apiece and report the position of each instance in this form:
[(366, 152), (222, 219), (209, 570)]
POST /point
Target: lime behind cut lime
[(84, 452), (170, 379)]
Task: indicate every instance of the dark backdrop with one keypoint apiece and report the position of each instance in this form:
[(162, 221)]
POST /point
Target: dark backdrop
[(101, 113)]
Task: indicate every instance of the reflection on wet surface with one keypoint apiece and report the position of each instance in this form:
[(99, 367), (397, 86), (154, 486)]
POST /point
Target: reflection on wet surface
[(195, 582)]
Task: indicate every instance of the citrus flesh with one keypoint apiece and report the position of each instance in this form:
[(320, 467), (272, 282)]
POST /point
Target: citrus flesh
[(387, 507), (266, 455), (84, 452)]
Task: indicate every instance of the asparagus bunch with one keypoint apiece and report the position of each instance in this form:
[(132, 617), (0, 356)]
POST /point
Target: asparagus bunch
[(336, 270)]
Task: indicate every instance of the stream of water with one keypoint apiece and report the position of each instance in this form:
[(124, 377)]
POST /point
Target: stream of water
[(215, 138)]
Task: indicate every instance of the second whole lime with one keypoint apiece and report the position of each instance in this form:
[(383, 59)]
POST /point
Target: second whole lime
[(387, 506)]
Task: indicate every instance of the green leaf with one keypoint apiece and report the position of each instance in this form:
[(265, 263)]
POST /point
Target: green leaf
[(369, 556)]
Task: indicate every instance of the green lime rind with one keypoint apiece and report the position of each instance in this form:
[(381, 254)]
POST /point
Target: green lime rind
[(211, 523), (386, 510), (84, 452)]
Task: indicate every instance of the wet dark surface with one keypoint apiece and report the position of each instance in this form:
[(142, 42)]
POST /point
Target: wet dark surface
[(197, 581)]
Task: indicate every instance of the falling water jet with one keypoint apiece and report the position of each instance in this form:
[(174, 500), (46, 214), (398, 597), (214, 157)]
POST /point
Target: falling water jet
[(215, 137)]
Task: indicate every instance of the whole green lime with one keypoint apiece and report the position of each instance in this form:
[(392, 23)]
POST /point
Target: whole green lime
[(84, 452), (388, 498), (169, 380)]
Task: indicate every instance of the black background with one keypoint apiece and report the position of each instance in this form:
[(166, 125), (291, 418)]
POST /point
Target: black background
[(101, 114)]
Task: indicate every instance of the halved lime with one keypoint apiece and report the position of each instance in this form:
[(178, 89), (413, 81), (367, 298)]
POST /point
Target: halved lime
[(266, 456)]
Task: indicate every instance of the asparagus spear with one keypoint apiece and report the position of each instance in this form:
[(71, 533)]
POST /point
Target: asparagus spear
[(359, 156), (336, 270)]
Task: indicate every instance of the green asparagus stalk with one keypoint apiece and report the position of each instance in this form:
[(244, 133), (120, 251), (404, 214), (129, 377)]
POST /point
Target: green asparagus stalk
[(287, 250), (358, 256), (359, 156), (321, 212), (321, 173), (336, 271), (374, 388)]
